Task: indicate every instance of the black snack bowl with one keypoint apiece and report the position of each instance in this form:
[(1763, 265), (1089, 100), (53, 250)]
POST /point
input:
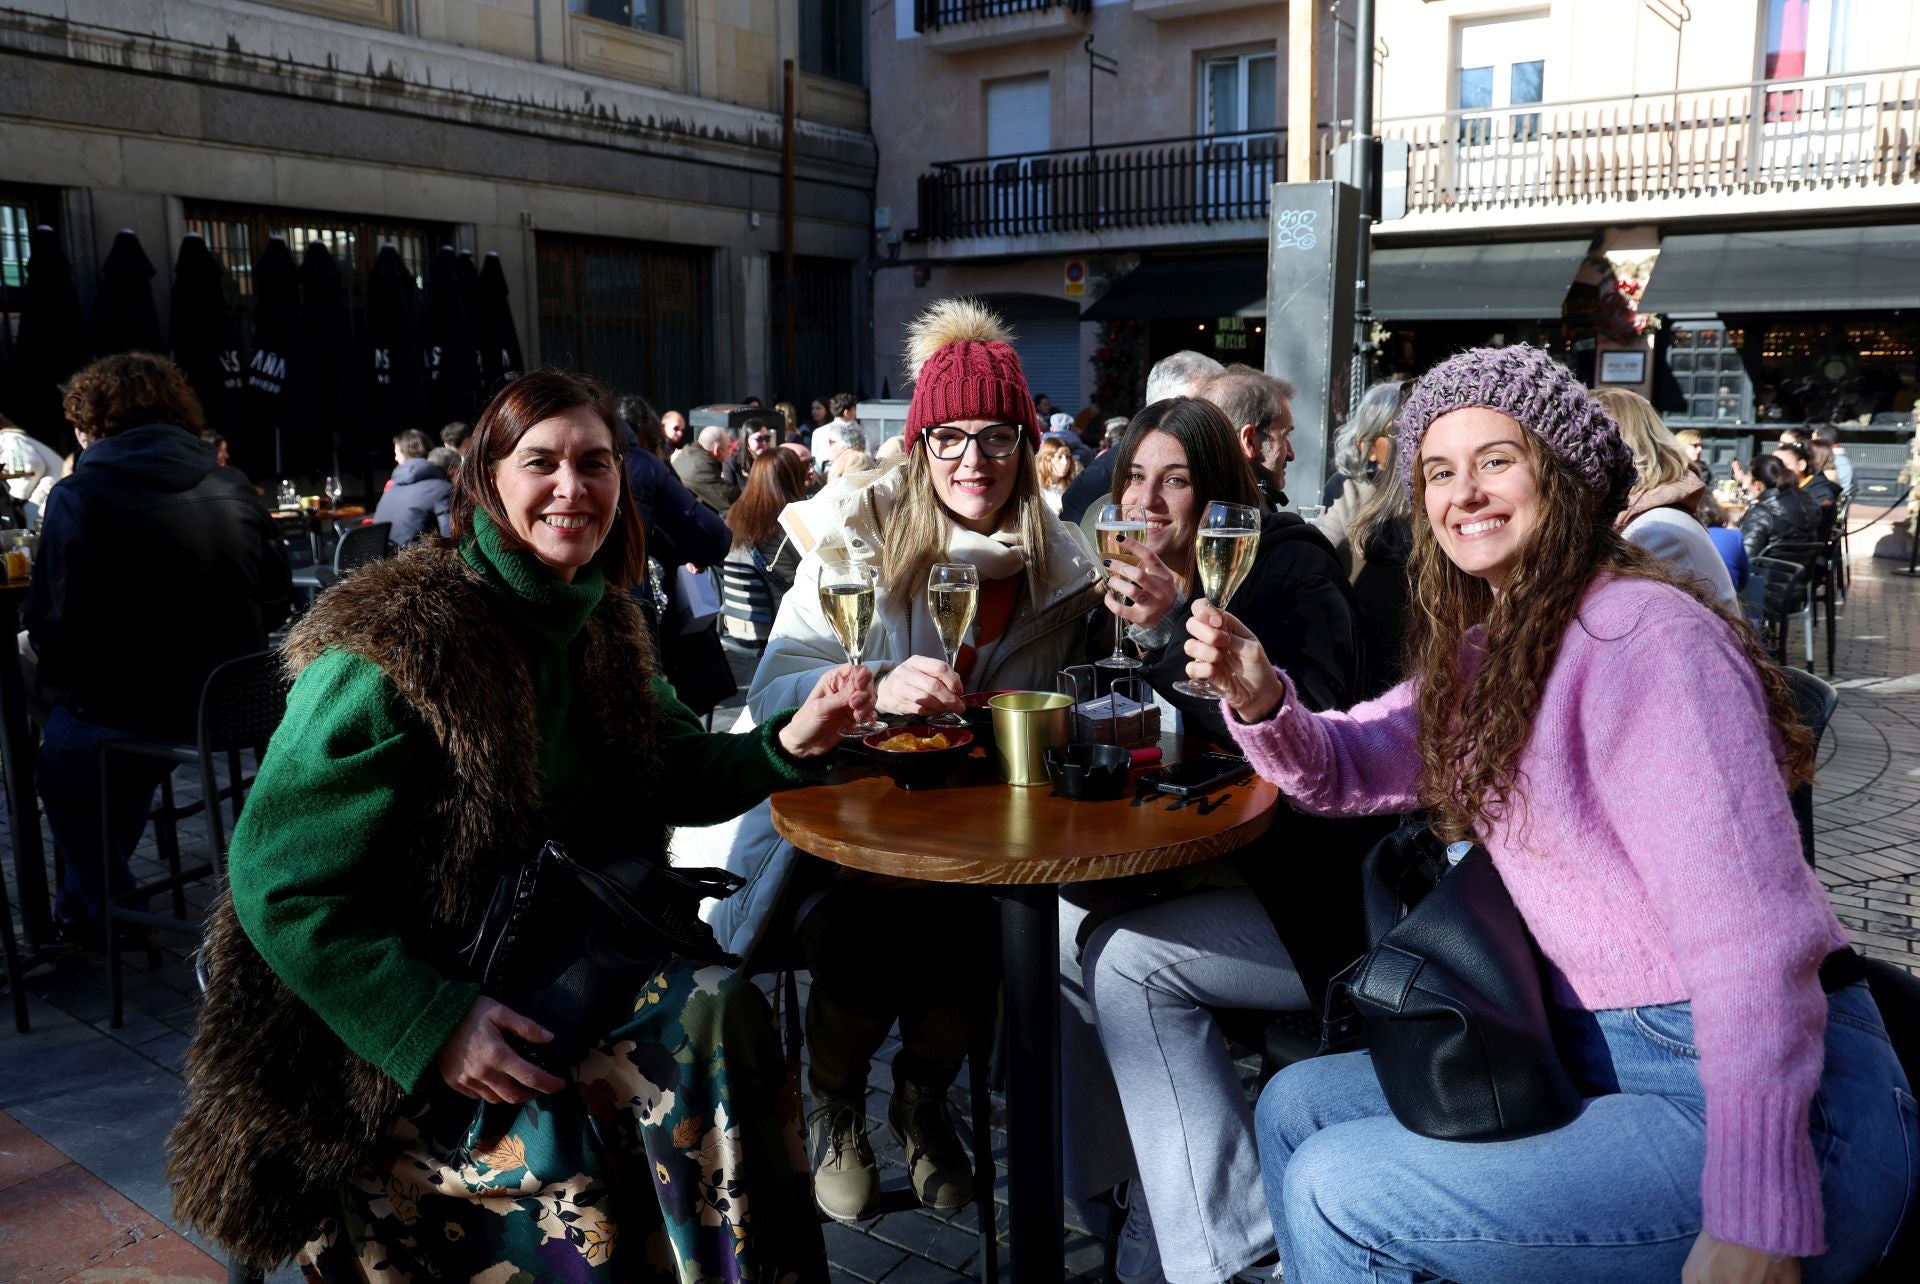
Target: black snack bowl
[(1089, 773), (920, 768)]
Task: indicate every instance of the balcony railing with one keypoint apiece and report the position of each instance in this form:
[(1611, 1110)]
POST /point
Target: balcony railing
[(1826, 132), (1781, 136), (1214, 178), (932, 15)]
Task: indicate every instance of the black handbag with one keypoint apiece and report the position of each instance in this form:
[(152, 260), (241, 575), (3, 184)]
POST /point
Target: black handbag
[(570, 944), (1451, 999)]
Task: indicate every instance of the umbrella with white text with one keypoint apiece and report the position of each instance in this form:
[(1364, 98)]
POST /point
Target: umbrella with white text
[(499, 343), (452, 377), (260, 442), (206, 346), (124, 319), (396, 384)]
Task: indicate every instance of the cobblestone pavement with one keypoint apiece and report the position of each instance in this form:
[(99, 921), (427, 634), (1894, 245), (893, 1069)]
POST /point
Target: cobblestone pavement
[(101, 1100)]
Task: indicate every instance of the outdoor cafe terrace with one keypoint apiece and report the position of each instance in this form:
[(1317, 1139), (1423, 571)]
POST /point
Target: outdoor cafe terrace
[(85, 1107)]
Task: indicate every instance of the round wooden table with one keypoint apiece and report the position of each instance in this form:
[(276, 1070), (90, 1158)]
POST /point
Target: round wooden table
[(977, 830)]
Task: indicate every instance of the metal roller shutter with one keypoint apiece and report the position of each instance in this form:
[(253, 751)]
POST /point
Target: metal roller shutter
[(1049, 348)]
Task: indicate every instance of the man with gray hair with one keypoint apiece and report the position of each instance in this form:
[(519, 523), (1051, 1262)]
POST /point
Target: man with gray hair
[(1179, 375), (699, 467), (1260, 408)]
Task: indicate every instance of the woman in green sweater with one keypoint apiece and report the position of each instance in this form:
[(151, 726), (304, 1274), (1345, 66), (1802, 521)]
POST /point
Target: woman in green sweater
[(353, 1099)]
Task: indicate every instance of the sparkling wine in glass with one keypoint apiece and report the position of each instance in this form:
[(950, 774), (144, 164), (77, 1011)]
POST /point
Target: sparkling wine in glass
[(846, 598), (1223, 551), (953, 596), (1120, 527)]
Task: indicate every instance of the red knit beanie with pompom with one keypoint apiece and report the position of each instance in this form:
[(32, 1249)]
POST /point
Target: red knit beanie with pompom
[(960, 357)]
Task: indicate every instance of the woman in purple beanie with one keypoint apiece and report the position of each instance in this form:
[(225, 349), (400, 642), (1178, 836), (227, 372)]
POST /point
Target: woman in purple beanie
[(1624, 751)]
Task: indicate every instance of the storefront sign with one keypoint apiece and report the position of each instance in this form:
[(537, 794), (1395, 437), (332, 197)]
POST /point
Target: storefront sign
[(1230, 335), (1623, 367)]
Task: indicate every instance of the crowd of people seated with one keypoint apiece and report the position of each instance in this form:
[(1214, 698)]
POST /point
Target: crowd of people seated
[(1515, 615)]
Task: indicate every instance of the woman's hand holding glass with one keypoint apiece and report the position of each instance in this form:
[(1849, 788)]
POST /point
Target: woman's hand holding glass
[(840, 701), (920, 686), (477, 1061), (1144, 592), (1223, 652)]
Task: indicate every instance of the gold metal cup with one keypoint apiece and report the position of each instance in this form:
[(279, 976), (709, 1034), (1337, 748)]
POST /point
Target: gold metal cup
[(1025, 725)]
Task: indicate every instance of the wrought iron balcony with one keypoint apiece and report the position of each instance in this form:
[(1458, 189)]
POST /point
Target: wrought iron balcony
[(1215, 178), (933, 15), (1829, 132)]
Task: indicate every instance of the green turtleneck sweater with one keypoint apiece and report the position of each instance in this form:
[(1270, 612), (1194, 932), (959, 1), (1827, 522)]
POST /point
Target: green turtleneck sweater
[(350, 767)]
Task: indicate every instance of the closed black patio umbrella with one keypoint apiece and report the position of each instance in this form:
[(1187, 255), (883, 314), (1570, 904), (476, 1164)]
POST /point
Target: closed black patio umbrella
[(52, 342), (452, 375), (124, 319), (396, 382), (499, 343), (206, 344), (260, 443), (327, 397)]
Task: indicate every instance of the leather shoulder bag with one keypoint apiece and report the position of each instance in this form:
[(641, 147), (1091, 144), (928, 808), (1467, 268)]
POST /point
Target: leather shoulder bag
[(1451, 998), (570, 944)]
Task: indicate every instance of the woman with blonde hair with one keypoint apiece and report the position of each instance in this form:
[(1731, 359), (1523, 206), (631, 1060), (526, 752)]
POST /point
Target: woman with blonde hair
[(1057, 468), (965, 491), (1662, 514), (848, 462), (789, 420), (1745, 1118), (1364, 447)]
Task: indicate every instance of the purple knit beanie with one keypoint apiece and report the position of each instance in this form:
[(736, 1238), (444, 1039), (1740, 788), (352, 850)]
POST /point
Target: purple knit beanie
[(1537, 392)]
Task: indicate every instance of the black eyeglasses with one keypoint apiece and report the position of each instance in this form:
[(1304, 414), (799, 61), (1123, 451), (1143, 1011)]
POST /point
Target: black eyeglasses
[(997, 441)]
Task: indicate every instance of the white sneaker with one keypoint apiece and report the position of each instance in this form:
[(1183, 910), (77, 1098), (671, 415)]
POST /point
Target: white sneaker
[(1136, 1257)]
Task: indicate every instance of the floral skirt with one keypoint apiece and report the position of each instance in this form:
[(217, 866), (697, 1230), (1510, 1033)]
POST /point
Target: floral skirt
[(674, 1154)]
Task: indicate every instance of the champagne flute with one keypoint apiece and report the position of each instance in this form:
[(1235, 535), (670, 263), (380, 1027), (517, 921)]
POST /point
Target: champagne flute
[(1223, 550), (331, 489), (1115, 523), (846, 598), (953, 595)]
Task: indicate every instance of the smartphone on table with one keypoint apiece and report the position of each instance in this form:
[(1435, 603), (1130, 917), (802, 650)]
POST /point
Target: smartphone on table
[(1197, 775)]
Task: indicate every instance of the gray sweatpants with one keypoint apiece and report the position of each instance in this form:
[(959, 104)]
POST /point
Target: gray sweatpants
[(1150, 1089)]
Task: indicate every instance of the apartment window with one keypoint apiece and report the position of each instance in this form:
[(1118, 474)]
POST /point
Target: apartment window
[(1237, 93), (16, 233), (632, 314), (1500, 66), (833, 39), (661, 17), (238, 235)]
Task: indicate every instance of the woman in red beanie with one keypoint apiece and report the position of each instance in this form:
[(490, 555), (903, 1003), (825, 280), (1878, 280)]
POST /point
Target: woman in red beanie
[(965, 489)]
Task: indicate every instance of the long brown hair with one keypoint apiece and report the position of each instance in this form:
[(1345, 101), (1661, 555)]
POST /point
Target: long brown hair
[(1474, 728), (513, 412), (776, 479), (1216, 466)]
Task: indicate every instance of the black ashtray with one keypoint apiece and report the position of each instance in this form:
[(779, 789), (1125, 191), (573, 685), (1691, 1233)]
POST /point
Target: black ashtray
[(1089, 773)]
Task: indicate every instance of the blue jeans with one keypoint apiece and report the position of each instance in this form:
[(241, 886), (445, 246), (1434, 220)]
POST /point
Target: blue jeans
[(69, 782), (1613, 1196)]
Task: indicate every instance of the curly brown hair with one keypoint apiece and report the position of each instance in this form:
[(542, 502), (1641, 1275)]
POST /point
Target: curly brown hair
[(1475, 726), (130, 390)]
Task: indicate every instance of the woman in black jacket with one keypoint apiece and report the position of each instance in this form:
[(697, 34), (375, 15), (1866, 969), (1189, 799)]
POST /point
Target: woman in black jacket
[(1244, 931), (1781, 513)]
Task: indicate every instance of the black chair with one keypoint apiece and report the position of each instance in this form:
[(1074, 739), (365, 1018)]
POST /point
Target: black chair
[(240, 706), (1816, 702), (1776, 594), (1816, 585), (357, 547), (749, 596)]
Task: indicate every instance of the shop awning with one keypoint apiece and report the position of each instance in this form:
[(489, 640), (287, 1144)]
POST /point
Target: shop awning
[(1178, 288), (1819, 269), (1520, 280)]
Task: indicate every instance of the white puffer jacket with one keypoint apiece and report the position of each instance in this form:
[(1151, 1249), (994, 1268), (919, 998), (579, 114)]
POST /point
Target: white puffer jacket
[(845, 521)]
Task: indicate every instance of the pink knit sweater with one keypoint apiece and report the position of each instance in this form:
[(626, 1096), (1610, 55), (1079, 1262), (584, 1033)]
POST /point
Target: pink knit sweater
[(1658, 861)]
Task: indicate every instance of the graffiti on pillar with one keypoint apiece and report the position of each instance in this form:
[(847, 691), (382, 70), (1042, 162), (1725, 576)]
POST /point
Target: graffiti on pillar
[(1294, 230)]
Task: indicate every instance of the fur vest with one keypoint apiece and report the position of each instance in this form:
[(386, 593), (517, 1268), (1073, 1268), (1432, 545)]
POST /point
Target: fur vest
[(279, 1111)]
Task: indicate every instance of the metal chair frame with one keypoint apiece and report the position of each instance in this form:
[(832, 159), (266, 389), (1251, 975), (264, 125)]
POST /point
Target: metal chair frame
[(240, 706), (356, 548), (748, 594)]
